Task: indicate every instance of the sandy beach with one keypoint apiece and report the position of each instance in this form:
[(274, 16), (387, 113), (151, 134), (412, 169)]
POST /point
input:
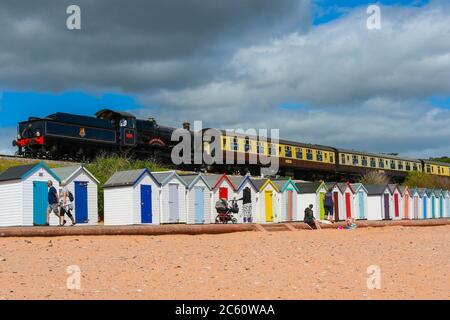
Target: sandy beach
[(327, 264)]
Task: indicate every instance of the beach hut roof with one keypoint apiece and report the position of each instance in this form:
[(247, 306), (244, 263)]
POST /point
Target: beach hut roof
[(392, 187), (422, 191), (309, 187), (24, 171), (259, 183), (127, 178), (163, 177), (191, 180), (376, 189), (66, 173), (240, 183), (215, 179), (358, 186), (283, 184)]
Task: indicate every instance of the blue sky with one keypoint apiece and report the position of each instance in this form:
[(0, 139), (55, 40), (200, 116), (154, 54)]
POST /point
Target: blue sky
[(298, 66)]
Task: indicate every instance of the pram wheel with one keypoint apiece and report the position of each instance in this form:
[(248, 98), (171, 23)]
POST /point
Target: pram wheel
[(234, 220)]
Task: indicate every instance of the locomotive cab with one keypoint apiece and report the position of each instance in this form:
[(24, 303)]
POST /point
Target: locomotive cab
[(124, 122)]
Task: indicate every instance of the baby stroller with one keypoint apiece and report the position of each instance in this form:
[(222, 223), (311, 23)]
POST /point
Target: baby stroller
[(225, 211)]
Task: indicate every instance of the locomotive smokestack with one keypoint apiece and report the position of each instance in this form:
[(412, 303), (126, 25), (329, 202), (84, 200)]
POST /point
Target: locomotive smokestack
[(186, 126)]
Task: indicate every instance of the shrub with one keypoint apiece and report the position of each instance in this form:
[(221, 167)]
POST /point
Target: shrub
[(424, 180), (374, 177)]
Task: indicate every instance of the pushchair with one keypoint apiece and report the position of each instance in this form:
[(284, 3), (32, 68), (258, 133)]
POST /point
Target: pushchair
[(225, 211)]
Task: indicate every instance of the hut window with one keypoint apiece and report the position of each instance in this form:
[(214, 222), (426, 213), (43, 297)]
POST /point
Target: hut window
[(235, 145), (392, 164), (319, 155), (288, 151), (247, 146), (355, 160), (373, 163), (408, 166), (309, 154), (364, 161), (400, 165), (298, 153), (381, 163), (343, 158)]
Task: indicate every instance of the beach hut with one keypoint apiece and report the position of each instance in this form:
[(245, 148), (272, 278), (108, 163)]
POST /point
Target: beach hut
[(83, 185), (438, 204), (198, 199), (24, 195), (311, 193), (396, 201), (424, 195), (447, 201), (406, 203), (267, 201), (416, 204), (379, 202), (359, 201), (132, 197), (288, 199), (338, 201), (245, 185), (173, 197), (348, 195), (222, 188)]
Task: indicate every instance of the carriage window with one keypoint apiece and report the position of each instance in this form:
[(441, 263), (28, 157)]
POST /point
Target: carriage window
[(415, 167), (298, 153), (428, 168), (319, 155), (373, 163), (392, 164), (364, 161), (343, 158), (288, 151), (331, 157), (408, 166), (272, 149), (309, 154), (235, 145), (400, 165), (355, 160), (247, 146), (224, 143), (260, 147), (381, 163)]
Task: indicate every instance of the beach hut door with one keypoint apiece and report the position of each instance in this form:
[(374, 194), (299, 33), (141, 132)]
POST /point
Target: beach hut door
[(433, 205), (361, 205), (336, 206), (424, 207), (40, 202), (348, 206), (289, 205), (223, 193), (396, 207), (146, 203), (386, 206), (441, 207), (269, 206), (416, 207), (322, 206), (173, 203), (81, 202), (199, 205)]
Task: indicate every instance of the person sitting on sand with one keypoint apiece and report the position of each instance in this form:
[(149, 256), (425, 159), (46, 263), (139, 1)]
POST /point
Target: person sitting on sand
[(350, 224), (309, 218)]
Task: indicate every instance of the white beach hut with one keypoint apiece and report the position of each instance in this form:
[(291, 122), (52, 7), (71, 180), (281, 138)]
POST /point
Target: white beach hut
[(416, 204), (396, 201), (198, 199), (244, 185), (268, 202), (83, 185), (24, 195), (222, 188), (288, 199), (359, 201), (379, 202), (426, 203), (132, 197), (173, 197), (407, 205), (311, 193)]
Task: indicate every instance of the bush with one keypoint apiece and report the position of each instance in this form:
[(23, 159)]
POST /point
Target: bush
[(374, 177), (104, 167), (424, 180)]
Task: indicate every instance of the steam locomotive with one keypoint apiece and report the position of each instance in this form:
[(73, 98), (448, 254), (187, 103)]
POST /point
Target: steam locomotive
[(66, 136)]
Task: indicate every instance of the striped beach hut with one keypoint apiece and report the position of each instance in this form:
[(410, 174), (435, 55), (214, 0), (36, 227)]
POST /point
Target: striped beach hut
[(338, 201), (24, 195), (245, 186), (359, 201), (222, 188), (173, 197), (379, 202), (268, 201), (396, 201), (424, 195), (348, 194), (288, 199), (198, 199), (416, 204), (311, 193), (83, 186), (406, 202), (132, 197)]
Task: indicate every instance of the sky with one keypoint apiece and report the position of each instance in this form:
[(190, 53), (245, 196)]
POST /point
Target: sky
[(309, 68)]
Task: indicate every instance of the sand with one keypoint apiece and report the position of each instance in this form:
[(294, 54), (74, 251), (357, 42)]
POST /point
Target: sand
[(329, 264)]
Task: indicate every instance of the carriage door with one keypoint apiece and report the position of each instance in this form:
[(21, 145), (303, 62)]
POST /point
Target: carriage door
[(81, 202), (386, 206), (173, 203), (128, 132), (336, 206), (40, 202)]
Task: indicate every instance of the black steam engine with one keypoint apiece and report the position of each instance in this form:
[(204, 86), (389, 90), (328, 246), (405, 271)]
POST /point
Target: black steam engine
[(66, 136)]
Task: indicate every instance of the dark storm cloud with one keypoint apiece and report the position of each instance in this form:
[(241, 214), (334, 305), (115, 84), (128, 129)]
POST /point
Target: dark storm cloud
[(136, 45)]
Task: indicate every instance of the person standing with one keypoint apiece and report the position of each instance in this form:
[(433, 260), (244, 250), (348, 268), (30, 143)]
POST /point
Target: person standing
[(52, 201), (247, 204), (328, 205), (65, 204)]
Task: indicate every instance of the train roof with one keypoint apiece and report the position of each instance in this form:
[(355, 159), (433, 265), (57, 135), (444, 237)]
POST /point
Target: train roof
[(445, 164), (378, 155)]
